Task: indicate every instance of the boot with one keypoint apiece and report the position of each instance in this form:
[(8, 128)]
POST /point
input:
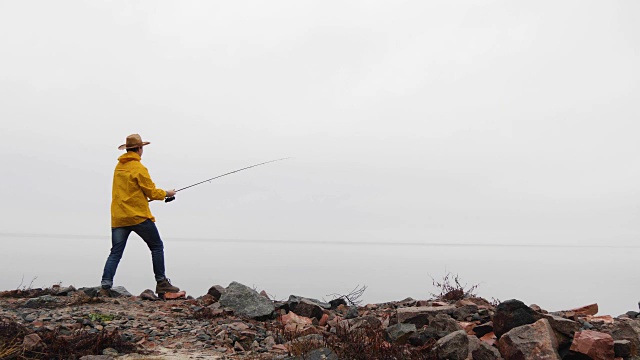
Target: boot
[(164, 286)]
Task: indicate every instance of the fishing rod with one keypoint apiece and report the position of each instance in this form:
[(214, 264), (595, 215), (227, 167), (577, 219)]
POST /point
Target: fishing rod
[(171, 198)]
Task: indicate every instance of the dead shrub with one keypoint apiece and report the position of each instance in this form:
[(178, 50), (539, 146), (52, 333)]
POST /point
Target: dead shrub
[(451, 289)]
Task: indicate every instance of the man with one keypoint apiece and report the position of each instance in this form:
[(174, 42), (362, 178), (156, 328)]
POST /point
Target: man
[(132, 190)]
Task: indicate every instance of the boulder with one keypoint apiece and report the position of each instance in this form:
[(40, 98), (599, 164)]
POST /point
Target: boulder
[(399, 333), (479, 350), (483, 329), (622, 348), (306, 307), (511, 314), (465, 312), (454, 346), (624, 329), (595, 344), (564, 329), (247, 302), (419, 316), (443, 322), (529, 342), (216, 291)]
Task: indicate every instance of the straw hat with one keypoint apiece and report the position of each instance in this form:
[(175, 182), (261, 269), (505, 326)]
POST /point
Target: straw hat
[(133, 141)]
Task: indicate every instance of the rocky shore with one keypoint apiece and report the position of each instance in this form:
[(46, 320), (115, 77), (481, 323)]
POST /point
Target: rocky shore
[(238, 322)]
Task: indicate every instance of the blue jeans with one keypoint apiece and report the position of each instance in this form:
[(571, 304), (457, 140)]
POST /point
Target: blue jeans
[(149, 233)]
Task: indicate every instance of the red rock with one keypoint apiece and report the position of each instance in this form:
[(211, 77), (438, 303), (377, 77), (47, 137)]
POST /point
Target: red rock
[(439, 303), (591, 309), (596, 345), (530, 342), (31, 341), (489, 338), (292, 318), (602, 319), (264, 293), (175, 296), (279, 347), (323, 321), (467, 327)]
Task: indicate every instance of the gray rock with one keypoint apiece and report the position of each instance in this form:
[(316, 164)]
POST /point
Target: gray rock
[(479, 350), (420, 315), (246, 302), (443, 322), (530, 342), (625, 330), (43, 301), (352, 313), (466, 312), (511, 314), (116, 291), (399, 333), (454, 346), (564, 329)]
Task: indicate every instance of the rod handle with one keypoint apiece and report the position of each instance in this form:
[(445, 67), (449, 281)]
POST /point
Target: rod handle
[(169, 199)]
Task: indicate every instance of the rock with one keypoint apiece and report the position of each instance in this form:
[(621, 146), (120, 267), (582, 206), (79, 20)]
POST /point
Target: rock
[(479, 350), (486, 352), (454, 346), (43, 301), (317, 354), (622, 348), (96, 357), (216, 291), (148, 294), (110, 352), (443, 322), (564, 329), (306, 308), (595, 344), (337, 302), (116, 291), (625, 330), (423, 336), (419, 316), (246, 302), (591, 309), (511, 314), (62, 291), (175, 296), (529, 342), (399, 333), (482, 329), (352, 313), (465, 312), (238, 347), (32, 342)]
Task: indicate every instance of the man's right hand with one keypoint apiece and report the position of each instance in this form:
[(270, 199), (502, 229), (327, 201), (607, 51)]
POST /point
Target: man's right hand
[(171, 192)]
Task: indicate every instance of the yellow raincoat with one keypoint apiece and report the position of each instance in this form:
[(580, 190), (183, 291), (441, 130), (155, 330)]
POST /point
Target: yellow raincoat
[(132, 188)]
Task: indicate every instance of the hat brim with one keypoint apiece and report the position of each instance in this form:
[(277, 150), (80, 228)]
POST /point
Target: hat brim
[(124, 146)]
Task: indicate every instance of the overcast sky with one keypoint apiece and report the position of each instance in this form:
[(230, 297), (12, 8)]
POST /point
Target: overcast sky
[(423, 121)]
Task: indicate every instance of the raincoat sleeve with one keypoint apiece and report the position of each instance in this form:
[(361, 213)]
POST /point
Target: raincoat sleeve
[(148, 187)]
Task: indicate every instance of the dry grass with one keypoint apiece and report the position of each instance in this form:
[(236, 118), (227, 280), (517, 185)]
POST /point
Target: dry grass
[(451, 288)]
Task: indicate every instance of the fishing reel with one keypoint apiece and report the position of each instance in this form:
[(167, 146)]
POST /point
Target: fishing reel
[(169, 199)]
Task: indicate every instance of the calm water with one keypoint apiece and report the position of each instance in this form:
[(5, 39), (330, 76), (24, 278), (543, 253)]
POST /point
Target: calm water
[(555, 278)]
